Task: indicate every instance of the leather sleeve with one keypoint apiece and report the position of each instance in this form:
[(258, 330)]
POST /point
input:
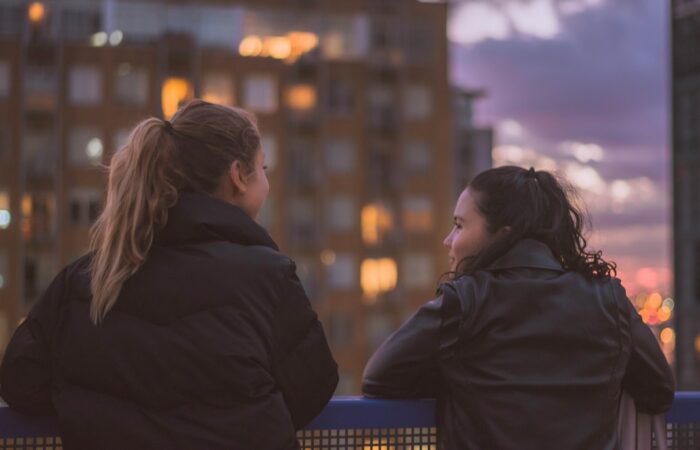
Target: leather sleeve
[(304, 367), (25, 373), (406, 364), (648, 377)]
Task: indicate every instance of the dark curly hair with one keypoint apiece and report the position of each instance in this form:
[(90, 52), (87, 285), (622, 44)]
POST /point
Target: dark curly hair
[(536, 205)]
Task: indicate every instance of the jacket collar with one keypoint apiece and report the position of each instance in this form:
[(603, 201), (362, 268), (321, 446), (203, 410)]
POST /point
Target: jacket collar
[(527, 253), (200, 217)]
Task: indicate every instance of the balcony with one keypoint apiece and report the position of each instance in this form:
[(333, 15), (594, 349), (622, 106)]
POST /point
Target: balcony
[(354, 423)]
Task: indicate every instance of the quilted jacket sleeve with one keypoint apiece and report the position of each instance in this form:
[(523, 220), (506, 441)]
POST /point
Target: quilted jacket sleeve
[(304, 367), (25, 373)]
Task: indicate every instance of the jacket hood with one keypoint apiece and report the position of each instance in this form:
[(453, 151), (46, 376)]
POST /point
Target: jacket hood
[(200, 217)]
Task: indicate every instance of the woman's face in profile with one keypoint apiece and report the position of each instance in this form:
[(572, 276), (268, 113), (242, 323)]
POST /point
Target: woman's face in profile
[(469, 234)]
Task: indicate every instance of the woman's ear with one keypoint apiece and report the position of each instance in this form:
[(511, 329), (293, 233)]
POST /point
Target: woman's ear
[(238, 177)]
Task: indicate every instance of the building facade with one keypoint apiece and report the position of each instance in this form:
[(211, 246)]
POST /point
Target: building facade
[(685, 100), (352, 99)]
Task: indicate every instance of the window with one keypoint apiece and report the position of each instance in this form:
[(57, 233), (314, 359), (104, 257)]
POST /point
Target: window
[(266, 216), (120, 139), (40, 83), (85, 146), (174, 92), (38, 273), (39, 152), (416, 156), (268, 142), (5, 214), (418, 271), (341, 213), (218, 88), (260, 93), (131, 85), (340, 155), (377, 220), (417, 214), (417, 102), (301, 97), (341, 329), (302, 224), (84, 85), (377, 276), (302, 170), (4, 269), (341, 97), (84, 206), (342, 274), (382, 107), (4, 79), (379, 327)]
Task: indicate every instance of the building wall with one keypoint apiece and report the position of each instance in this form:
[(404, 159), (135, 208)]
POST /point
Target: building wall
[(341, 124)]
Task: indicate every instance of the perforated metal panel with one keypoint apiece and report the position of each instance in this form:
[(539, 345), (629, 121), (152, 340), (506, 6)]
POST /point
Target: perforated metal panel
[(369, 439), (31, 443)]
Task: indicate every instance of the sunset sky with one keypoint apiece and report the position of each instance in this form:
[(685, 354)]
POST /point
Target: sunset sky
[(580, 86)]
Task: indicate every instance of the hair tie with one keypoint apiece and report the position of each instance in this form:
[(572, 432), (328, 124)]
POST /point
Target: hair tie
[(168, 126)]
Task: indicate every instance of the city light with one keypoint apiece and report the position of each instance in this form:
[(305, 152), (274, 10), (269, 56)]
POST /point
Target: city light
[(5, 219), (377, 276), (94, 149), (278, 47), (98, 39), (174, 91), (327, 257), (288, 47), (250, 46), (36, 12), (301, 97), (667, 335), (116, 38), (376, 220)]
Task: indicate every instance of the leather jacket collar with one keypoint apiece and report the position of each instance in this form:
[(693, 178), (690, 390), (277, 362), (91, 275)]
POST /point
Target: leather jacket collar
[(527, 253)]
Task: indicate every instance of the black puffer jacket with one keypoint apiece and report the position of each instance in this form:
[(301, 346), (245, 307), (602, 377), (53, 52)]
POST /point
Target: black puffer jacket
[(212, 344), (525, 355)]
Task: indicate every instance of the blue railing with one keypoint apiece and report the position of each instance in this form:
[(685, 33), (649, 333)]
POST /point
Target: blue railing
[(360, 423)]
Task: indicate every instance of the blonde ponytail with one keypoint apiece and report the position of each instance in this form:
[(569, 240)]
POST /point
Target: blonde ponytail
[(160, 160), (138, 197)]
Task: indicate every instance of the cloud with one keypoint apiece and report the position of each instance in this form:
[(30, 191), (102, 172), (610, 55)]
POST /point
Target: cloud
[(470, 23), (536, 18)]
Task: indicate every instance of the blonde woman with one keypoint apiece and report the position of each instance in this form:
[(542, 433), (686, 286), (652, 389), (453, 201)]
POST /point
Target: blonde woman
[(184, 327)]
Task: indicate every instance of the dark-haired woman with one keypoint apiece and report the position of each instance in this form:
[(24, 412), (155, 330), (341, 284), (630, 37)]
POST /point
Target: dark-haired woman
[(531, 342), (184, 327)]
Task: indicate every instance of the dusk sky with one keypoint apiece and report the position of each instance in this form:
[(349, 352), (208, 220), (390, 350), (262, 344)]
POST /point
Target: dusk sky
[(580, 86)]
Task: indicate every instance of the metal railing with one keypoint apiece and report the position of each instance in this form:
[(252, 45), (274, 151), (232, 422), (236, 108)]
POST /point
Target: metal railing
[(353, 423)]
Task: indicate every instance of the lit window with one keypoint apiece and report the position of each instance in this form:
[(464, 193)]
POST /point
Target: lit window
[(260, 93), (4, 269), (417, 102), (4, 79), (416, 156), (340, 213), (218, 88), (131, 85), (84, 85), (85, 146), (417, 270), (342, 274), (340, 155), (301, 97), (175, 91), (377, 220), (36, 12), (377, 276), (268, 142), (5, 215), (418, 214)]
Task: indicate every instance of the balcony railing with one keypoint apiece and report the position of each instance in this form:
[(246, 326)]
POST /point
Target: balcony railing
[(354, 423)]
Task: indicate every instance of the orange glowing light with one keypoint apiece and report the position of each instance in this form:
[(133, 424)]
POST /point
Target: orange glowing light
[(664, 314), (250, 46), (697, 343), (376, 220), (377, 276), (667, 335), (36, 12), (301, 97), (278, 47), (174, 91), (654, 301)]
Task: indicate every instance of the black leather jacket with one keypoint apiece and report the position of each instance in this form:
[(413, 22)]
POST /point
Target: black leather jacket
[(525, 355)]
